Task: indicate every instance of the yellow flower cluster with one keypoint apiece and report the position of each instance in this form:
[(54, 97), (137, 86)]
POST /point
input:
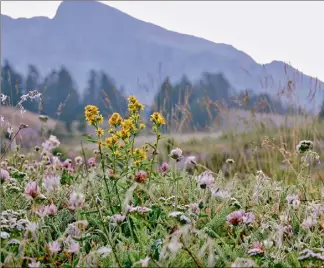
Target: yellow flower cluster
[(157, 119), (100, 132), (91, 114), (139, 154), (111, 141), (115, 120), (134, 106)]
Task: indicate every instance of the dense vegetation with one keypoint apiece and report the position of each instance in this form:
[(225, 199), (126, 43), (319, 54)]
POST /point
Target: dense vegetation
[(124, 207)]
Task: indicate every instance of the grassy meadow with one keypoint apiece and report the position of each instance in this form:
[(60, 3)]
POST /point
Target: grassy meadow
[(248, 193)]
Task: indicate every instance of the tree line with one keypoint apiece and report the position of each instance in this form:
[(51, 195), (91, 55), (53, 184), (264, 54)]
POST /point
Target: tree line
[(185, 104)]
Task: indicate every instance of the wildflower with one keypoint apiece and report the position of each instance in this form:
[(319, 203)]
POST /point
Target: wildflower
[(176, 154), (91, 161), (104, 251), (235, 218), (51, 182), (4, 175), (220, 193), (100, 132), (291, 198), (164, 167), (31, 230), (51, 209), (100, 119), (175, 214), (184, 219), (230, 161), (140, 176), (4, 235), (91, 114), (134, 106), (139, 154), (143, 262), (308, 223), (34, 264), (32, 191), (157, 119), (54, 247), (10, 130), (41, 211), (191, 161), (115, 120), (307, 254), (118, 218), (74, 247), (304, 146), (295, 204), (111, 141), (78, 160), (248, 217), (205, 179), (76, 200), (287, 229), (256, 249)]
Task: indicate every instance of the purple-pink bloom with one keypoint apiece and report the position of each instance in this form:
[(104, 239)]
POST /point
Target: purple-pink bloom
[(76, 200), (54, 247), (51, 182), (248, 217), (74, 247), (91, 161), (235, 218), (164, 167), (51, 209), (32, 190), (4, 175)]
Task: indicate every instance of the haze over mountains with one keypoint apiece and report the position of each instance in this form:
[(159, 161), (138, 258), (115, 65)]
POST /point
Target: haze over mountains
[(138, 55)]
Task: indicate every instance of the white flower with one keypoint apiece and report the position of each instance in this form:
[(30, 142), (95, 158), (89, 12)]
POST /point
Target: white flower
[(205, 180), (295, 204), (4, 235), (51, 182), (191, 161), (104, 251), (10, 130), (34, 264), (220, 193), (175, 214), (176, 154), (291, 198)]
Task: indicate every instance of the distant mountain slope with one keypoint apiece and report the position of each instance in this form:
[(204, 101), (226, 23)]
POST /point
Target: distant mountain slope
[(138, 55)]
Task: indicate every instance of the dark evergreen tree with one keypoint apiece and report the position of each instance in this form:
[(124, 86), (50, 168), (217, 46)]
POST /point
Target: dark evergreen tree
[(11, 84)]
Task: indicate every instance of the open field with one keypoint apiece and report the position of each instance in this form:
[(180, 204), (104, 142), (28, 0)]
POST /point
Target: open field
[(248, 198)]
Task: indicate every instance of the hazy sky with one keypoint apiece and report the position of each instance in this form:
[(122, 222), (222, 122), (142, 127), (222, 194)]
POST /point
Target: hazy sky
[(282, 30)]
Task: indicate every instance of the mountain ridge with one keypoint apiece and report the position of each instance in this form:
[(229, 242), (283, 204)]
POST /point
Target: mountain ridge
[(85, 35)]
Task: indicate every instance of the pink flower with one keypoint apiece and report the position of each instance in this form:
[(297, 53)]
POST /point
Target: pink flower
[(4, 175), (239, 217), (54, 247), (256, 249), (164, 167), (206, 180), (235, 218), (76, 200), (74, 247), (32, 191), (41, 211), (140, 176), (51, 209), (91, 161), (51, 182), (118, 218)]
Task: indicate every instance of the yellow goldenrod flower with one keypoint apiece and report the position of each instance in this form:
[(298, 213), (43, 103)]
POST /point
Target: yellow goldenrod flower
[(142, 125), (157, 119), (99, 143), (139, 154), (100, 119), (111, 141), (100, 132), (115, 120), (91, 113)]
